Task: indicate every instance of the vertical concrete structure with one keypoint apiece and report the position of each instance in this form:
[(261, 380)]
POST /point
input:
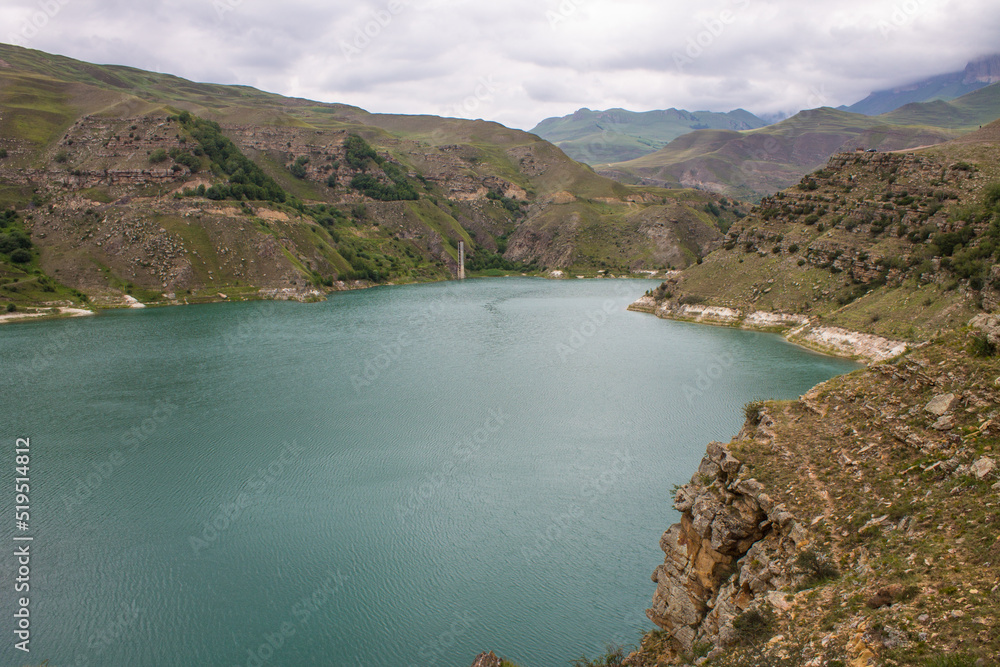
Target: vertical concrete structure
[(461, 260)]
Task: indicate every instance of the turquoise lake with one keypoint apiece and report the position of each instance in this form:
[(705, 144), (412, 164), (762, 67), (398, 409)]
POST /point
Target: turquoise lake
[(394, 477)]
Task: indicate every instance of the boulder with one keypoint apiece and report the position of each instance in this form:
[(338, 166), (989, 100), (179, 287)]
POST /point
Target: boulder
[(944, 423), (983, 468), (941, 404)]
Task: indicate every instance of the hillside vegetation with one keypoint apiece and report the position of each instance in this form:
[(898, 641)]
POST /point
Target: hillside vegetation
[(139, 183)]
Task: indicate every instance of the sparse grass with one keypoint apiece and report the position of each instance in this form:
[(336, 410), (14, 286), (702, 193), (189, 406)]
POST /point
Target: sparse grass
[(752, 412), (754, 626), (614, 656), (980, 346)]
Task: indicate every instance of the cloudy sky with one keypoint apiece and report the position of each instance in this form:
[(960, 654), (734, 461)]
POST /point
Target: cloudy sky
[(519, 61)]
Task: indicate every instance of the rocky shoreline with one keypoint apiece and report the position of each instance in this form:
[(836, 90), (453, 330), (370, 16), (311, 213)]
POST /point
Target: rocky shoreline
[(798, 329)]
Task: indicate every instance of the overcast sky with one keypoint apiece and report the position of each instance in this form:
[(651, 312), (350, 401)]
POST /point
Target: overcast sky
[(520, 61)]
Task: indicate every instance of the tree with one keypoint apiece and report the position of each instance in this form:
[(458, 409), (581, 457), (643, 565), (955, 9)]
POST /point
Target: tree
[(158, 156)]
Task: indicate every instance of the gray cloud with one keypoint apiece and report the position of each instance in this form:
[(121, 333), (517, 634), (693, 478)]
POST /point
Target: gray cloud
[(520, 61)]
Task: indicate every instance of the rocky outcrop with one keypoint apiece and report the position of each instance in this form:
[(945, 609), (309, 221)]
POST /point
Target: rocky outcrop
[(487, 660), (729, 550)]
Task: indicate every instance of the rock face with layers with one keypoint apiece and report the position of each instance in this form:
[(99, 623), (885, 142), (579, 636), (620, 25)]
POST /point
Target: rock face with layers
[(730, 549)]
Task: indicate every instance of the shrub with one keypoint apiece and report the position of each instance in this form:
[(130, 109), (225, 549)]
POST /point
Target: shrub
[(359, 152), (20, 256), (752, 412), (3, 153), (753, 627), (11, 307), (816, 568), (980, 346), (62, 157), (158, 156)]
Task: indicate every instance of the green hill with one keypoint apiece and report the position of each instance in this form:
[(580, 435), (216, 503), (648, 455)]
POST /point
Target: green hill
[(617, 135), (124, 180)]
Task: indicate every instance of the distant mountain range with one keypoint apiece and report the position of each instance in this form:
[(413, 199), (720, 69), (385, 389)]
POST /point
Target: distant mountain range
[(752, 164), (616, 135), (977, 74)]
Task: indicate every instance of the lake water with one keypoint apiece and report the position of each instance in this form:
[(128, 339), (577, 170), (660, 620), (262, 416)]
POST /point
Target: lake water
[(400, 476)]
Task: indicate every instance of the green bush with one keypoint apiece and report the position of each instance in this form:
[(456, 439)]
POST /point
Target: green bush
[(20, 256), (15, 240), (246, 179), (370, 186), (11, 307), (3, 153), (298, 168), (158, 156), (359, 152)]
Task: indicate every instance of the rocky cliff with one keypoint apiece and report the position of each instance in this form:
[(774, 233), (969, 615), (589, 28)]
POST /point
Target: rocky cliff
[(857, 525)]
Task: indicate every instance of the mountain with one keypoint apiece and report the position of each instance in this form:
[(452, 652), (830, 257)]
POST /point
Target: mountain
[(852, 525), (617, 135), (756, 163), (114, 180), (977, 74)]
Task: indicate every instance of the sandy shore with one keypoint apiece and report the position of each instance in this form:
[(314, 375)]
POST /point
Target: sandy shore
[(50, 312)]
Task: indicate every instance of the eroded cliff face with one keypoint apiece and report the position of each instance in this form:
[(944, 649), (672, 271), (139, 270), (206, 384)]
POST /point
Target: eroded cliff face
[(732, 547)]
